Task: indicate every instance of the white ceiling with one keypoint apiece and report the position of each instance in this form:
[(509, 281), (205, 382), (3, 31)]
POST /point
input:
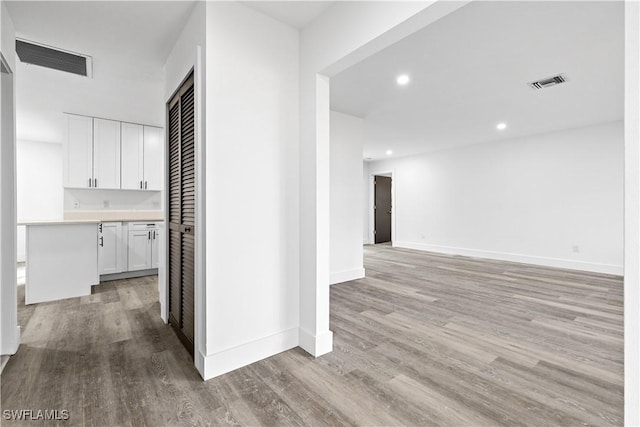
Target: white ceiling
[(129, 41), (125, 38), (298, 14), (470, 71)]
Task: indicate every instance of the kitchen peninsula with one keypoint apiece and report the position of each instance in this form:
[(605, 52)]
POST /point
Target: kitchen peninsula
[(61, 259), (65, 258)]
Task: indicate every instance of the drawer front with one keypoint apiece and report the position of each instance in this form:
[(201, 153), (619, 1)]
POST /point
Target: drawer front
[(142, 225)]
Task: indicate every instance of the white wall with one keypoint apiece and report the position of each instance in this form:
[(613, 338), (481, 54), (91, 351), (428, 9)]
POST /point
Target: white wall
[(46, 94), (39, 176), (39, 184), (78, 199), (251, 187), (347, 137), (554, 199), (183, 54), (9, 329)]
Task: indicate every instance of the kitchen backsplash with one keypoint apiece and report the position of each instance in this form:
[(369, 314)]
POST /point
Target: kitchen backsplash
[(111, 200)]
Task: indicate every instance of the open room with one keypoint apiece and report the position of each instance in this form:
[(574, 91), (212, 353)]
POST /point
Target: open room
[(320, 213), (490, 201)]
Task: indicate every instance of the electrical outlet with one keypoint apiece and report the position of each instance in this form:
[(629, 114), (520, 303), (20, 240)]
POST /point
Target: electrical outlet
[(575, 249), (76, 204)]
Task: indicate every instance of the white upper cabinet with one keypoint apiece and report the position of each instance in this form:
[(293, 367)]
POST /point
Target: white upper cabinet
[(132, 156), (109, 154), (141, 157), (106, 154), (153, 158), (78, 152)]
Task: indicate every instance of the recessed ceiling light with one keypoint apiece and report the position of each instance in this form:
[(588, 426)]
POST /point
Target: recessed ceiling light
[(389, 152), (501, 126), (402, 79)]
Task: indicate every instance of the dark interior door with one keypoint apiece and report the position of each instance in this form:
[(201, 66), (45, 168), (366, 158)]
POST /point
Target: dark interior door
[(382, 209), (181, 166)]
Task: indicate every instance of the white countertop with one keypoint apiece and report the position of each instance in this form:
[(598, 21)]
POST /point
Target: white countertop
[(115, 216), (60, 222)]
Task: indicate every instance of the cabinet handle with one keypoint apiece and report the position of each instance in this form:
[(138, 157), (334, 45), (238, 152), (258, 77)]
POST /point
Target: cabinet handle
[(89, 182), (102, 241), (141, 185), (95, 182), (145, 185), (149, 237), (154, 234)]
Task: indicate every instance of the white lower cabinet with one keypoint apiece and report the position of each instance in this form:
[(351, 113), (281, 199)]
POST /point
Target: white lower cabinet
[(110, 246), (143, 246), (155, 247), (127, 246)]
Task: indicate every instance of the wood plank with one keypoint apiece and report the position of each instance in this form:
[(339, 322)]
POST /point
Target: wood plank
[(424, 339)]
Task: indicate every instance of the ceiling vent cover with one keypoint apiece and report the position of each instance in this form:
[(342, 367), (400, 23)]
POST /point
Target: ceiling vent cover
[(551, 81), (45, 56)]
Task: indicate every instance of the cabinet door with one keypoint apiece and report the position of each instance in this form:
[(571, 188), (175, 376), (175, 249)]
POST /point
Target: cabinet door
[(106, 154), (78, 161), (139, 250), (153, 159), (109, 248), (155, 247), (132, 156)]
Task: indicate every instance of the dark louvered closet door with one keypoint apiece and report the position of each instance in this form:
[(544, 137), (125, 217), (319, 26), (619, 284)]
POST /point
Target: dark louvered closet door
[(181, 147)]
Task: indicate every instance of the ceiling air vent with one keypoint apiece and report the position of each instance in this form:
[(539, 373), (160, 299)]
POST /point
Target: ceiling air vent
[(551, 81), (45, 56)]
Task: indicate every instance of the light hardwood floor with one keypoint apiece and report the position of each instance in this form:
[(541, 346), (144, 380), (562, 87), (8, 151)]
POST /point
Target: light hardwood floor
[(425, 339)]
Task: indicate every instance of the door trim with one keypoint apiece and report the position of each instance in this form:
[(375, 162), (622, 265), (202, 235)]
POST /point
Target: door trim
[(163, 280), (187, 85), (372, 220)]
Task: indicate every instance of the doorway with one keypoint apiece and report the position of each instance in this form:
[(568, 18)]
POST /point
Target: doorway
[(382, 209), (181, 211)]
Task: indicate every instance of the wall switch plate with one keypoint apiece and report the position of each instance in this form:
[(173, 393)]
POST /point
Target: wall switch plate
[(106, 203)]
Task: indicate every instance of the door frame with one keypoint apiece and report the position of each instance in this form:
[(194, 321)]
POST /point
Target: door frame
[(372, 219), (9, 327), (199, 309)]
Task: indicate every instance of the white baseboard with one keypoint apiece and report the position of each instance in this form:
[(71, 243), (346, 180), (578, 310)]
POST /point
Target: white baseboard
[(198, 361), (345, 276), (10, 344), (213, 365), (4, 359), (617, 270), (316, 345), (164, 313), (128, 275)]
